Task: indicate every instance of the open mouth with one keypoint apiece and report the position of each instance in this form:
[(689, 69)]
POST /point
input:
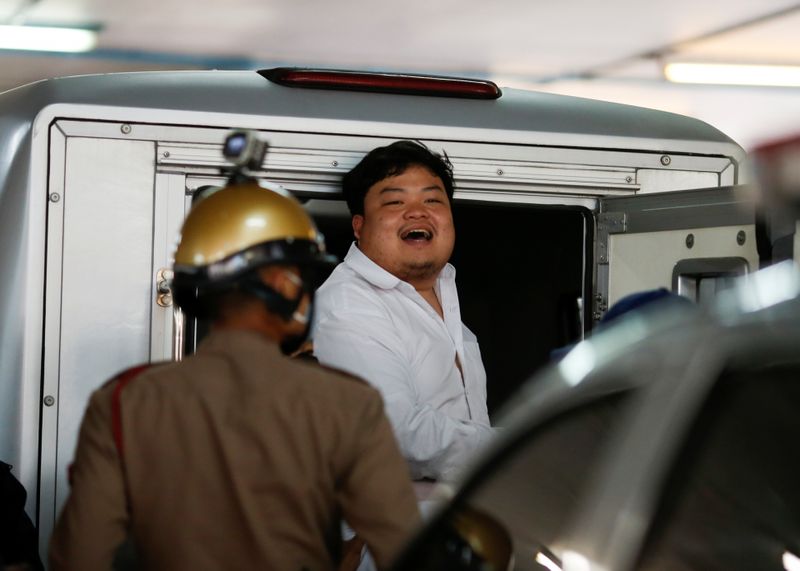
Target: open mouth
[(416, 235)]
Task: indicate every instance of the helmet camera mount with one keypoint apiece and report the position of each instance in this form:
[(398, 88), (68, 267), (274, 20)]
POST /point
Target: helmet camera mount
[(245, 150)]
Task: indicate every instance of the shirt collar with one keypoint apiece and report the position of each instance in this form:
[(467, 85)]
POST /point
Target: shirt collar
[(357, 261)]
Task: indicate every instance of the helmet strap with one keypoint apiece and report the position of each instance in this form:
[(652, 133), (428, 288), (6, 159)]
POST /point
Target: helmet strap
[(292, 343)]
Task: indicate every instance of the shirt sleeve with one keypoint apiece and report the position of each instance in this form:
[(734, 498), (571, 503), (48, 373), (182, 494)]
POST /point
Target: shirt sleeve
[(94, 520), (366, 345), (376, 496)]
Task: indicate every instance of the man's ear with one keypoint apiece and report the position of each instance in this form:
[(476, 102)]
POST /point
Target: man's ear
[(358, 223), (276, 277)]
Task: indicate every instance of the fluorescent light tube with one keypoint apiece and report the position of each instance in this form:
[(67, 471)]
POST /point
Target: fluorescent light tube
[(47, 39), (734, 74)]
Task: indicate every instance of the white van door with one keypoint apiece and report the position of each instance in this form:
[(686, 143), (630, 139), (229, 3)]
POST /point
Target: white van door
[(98, 288), (691, 242), (112, 222)]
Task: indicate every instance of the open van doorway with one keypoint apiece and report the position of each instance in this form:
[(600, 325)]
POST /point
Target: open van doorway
[(520, 271)]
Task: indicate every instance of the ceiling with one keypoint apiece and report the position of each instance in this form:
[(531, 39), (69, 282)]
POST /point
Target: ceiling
[(612, 50)]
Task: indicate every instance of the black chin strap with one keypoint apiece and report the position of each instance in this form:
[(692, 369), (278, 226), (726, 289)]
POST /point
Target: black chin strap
[(292, 343)]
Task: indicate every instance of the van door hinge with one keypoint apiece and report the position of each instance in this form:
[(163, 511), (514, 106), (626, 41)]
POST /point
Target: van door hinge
[(613, 222), (609, 223)]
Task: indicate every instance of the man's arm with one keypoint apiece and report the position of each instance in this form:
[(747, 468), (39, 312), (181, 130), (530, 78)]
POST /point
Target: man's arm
[(434, 444), (376, 496), (94, 520)]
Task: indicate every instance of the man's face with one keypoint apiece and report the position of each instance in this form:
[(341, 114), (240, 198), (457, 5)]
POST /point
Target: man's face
[(407, 226)]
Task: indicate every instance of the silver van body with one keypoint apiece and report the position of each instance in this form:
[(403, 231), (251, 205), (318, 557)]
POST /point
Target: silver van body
[(97, 172)]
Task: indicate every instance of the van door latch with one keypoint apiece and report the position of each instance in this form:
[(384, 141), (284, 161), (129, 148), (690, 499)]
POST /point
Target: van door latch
[(164, 287)]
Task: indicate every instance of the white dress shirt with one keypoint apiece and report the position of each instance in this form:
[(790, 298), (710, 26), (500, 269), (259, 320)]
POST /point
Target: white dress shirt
[(378, 327)]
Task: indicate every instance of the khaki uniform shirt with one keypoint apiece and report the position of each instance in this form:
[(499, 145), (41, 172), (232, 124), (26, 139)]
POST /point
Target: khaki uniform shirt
[(235, 458)]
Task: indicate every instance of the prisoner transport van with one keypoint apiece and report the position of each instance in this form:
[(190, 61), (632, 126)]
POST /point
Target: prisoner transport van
[(562, 206)]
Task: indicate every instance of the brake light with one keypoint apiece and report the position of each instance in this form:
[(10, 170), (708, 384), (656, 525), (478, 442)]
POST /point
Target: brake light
[(400, 83)]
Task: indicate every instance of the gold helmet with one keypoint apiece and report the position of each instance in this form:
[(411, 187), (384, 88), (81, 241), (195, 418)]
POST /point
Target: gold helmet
[(236, 230)]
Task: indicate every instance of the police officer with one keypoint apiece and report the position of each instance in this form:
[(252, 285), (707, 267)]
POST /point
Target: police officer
[(237, 457)]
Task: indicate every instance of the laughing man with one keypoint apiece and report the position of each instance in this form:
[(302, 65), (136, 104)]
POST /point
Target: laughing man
[(390, 314)]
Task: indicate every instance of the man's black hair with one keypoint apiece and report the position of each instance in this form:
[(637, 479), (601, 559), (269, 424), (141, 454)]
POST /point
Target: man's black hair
[(392, 160)]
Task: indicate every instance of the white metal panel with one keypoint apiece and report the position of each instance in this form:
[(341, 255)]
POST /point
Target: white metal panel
[(315, 161), (163, 120), (101, 322), (475, 167), (643, 261), (728, 176), (299, 160), (508, 197), (652, 180)]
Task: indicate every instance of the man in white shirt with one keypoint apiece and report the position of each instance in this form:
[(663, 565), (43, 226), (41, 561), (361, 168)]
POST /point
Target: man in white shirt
[(390, 314)]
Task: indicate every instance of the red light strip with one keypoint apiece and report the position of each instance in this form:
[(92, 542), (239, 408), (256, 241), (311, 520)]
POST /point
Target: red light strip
[(404, 84)]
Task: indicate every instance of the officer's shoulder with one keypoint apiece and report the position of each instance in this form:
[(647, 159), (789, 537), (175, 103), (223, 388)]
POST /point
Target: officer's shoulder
[(341, 374), (131, 376), (332, 377), (134, 372), (316, 369)]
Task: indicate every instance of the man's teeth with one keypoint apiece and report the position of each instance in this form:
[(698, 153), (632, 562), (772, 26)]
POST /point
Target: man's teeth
[(417, 235)]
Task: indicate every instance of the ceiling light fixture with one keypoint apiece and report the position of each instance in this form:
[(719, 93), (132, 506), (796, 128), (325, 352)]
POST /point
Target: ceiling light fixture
[(733, 74), (47, 39)]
